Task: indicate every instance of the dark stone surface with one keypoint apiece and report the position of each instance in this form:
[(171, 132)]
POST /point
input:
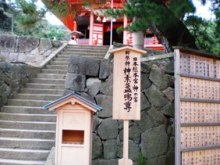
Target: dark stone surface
[(12, 78), (8, 42), (156, 97), (145, 82), (146, 122), (110, 149), (169, 93), (105, 71), (97, 149), (84, 65), (26, 44), (157, 117), (154, 142), (144, 102), (157, 161), (168, 110), (93, 85), (133, 153), (159, 78), (105, 162), (107, 86), (75, 82), (108, 129), (106, 103)]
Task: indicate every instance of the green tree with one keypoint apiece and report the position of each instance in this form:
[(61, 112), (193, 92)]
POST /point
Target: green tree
[(29, 15), (29, 20), (166, 18), (206, 34)]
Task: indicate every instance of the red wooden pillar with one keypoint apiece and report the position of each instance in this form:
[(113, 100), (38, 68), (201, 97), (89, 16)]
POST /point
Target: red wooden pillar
[(125, 33), (91, 24), (74, 26)]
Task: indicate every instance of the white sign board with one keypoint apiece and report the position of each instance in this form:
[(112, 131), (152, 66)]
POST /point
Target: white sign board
[(126, 83)]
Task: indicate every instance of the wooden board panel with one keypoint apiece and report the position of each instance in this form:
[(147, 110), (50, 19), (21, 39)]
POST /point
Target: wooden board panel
[(205, 157), (197, 109), (126, 85)]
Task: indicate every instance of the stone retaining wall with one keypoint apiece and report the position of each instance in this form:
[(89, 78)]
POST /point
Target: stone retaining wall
[(151, 140), (12, 78), (25, 49)]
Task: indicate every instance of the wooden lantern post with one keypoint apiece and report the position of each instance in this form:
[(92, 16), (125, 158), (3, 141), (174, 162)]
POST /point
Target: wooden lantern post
[(126, 91)]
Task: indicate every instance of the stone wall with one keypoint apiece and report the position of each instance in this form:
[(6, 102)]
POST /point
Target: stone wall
[(25, 49), (12, 78), (151, 140)]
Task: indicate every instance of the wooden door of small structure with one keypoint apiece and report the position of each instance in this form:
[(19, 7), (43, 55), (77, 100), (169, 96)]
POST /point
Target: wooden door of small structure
[(97, 34), (73, 135), (197, 108)]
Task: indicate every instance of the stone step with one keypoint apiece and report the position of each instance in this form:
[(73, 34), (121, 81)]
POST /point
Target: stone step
[(23, 143), (86, 47), (47, 97), (60, 62), (25, 109), (41, 91), (104, 50), (62, 59), (23, 154), (27, 125), (57, 67), (48, 81), (20, 162), (51, 76), (28, 117), (27, 102), (82, 55), (22, 133), (56, 71)]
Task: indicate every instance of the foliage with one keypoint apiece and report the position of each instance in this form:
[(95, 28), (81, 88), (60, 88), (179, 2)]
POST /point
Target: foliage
[(168, 19), (29, 15), (59, 8), (38, 27), (206, 34), (141, 160), (45, 30)]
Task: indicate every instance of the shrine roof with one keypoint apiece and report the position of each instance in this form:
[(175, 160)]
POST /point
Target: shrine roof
[(75, 96)]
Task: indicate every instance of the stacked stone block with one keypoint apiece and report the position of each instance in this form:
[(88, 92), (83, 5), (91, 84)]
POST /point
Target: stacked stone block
[(12, 78), (151, 140)]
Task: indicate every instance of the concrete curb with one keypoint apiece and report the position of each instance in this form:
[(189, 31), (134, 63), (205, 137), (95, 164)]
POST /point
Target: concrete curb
[(52, 55), (51, 157)]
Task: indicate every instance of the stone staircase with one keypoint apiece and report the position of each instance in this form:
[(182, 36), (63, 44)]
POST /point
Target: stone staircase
[(27, 132)]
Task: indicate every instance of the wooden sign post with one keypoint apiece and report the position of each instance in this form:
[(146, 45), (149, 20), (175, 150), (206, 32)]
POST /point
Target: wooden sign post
[(126, 91)]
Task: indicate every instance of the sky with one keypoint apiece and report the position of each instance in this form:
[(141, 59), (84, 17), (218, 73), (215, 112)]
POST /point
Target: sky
[(202, 11)]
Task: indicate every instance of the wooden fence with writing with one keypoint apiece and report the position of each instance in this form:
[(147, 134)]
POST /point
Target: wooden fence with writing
[(197, 108)]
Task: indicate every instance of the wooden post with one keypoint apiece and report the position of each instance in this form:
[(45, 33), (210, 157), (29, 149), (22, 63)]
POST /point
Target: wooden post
[(177, 107), (125, 160), (126, 91)]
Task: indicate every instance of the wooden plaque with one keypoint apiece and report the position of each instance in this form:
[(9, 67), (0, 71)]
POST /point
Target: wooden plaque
[(126, 83)]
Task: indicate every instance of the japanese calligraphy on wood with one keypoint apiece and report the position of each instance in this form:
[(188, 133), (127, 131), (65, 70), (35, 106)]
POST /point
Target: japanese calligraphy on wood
[(197, 108), (126, 83)]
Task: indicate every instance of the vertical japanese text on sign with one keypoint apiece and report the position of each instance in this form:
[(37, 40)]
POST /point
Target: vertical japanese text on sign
[(126, 83)]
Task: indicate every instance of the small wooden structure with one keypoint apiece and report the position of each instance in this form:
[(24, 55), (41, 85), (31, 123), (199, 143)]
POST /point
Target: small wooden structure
[(126, 90), (197, 108), (74, 129)]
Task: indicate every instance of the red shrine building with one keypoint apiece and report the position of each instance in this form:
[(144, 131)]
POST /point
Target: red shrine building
[(88, 17)]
